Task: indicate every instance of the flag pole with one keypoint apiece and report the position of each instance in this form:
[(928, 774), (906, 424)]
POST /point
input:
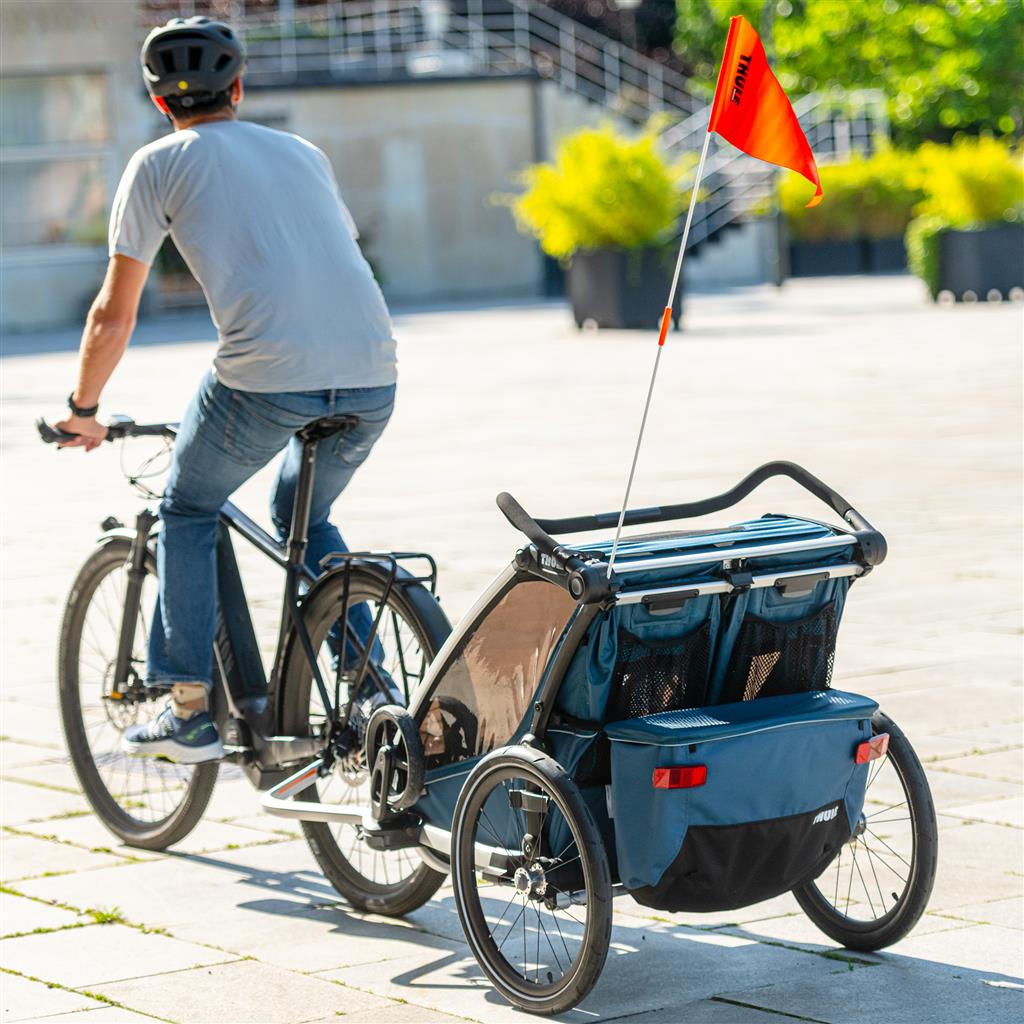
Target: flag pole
[(666, 319)]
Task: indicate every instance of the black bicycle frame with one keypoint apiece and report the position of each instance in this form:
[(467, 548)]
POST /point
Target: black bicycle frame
[(249, 697)]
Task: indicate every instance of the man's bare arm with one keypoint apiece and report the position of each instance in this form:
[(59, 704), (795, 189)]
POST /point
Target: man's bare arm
[(108, 329)]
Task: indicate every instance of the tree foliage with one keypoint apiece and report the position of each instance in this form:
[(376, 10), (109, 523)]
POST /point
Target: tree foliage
[(945, 65)]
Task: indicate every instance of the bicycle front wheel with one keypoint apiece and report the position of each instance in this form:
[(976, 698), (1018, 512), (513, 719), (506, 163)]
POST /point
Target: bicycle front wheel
[(146, 802), (412, 630)]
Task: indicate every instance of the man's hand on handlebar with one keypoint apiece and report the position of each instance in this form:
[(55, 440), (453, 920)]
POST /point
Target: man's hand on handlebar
[(91, 433)]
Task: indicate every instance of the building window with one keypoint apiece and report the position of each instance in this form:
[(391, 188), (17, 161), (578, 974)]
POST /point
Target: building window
[(55, 159)]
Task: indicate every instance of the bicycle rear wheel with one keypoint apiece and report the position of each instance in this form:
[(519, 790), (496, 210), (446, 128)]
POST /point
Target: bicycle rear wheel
[(146, 802), (412, 630)]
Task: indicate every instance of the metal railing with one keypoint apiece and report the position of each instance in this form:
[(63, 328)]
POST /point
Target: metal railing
[(384, 39)]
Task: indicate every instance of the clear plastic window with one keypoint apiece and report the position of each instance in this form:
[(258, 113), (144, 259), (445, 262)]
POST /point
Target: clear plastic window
[(487, 689)]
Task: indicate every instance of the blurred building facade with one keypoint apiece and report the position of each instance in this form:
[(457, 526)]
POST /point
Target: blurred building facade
[(71, 113), (426, 108), (422, 132)]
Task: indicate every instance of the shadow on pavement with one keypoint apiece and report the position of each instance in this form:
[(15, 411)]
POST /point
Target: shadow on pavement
[(679, 965)]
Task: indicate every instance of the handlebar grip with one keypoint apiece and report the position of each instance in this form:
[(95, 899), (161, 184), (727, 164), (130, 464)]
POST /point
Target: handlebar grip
[(525, 523), (51, 435)]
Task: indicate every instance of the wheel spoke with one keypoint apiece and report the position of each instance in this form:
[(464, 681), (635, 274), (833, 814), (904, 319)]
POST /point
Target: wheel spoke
[(888, 847)]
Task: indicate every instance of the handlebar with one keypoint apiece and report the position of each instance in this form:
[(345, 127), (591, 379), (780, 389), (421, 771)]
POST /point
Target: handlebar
[(118, 428), (872, 543)]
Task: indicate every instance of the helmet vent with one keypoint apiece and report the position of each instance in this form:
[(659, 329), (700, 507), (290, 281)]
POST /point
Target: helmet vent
[(167, 57), (223, 60), (195, 58)]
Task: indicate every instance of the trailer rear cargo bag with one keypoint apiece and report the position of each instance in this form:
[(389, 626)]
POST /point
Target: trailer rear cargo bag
[(719, 807)]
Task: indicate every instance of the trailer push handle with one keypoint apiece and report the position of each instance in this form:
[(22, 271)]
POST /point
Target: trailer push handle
[(871, 543)]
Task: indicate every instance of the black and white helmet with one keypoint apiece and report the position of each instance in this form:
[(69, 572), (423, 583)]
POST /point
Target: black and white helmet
[(191, 58)]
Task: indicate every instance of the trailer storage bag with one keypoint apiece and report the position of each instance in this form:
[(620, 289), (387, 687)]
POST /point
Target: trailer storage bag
[(720, 807)]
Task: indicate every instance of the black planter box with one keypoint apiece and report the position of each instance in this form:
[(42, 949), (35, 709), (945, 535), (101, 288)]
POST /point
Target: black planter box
[(982, 260), (855, 256), (624, 289), (887, 255), (821, 259)]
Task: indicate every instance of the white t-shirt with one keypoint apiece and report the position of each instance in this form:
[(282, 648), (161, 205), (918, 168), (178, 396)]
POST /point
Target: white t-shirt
[(257, 216)]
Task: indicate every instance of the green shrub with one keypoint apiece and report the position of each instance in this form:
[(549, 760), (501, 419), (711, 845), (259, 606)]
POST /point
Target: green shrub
[(970, 183), (871, 197), (973, 183), (603, 190)]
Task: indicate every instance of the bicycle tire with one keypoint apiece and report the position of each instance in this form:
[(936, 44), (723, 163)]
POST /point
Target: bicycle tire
[(420, 609), (112, 554), (539, 774), (896, 922)]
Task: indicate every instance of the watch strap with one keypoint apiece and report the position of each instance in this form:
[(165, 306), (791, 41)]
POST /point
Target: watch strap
[(81, 410)]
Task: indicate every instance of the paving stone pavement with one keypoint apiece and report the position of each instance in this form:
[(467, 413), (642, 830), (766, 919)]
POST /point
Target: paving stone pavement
[(913, 410)]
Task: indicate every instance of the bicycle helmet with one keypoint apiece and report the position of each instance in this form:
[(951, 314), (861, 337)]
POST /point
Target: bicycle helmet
[(191, 59)]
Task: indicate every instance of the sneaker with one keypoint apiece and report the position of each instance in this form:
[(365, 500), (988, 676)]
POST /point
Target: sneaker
[(186, 741)]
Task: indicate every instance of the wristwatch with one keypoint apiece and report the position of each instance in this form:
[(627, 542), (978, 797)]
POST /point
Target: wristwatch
[(80, 410)]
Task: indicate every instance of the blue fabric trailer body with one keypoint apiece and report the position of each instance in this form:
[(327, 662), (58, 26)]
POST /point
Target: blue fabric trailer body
[(586, 688), (749, 674), (786, 760)]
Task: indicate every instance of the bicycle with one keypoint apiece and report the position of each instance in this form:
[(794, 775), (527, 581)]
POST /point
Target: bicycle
[(313, 703)]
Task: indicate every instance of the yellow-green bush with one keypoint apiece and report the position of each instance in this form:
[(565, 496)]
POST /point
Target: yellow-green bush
[(919, 193), (871, 197), (603, 190), (972, 183)]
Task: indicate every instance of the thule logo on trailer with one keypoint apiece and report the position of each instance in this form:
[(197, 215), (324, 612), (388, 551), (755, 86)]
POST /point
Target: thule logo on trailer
[(827, 815)]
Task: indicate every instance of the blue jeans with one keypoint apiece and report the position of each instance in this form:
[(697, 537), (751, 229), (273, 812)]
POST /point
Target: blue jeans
[(225, 437)]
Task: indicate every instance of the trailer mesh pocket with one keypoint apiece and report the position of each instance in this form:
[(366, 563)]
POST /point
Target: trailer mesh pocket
[(775, 658), (651, 676)]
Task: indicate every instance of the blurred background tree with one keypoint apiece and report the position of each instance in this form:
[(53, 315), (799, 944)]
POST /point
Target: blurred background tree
[(946, 65)]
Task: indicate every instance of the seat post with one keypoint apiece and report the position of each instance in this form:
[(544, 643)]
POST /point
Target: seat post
[(310, 437), (301, 505)]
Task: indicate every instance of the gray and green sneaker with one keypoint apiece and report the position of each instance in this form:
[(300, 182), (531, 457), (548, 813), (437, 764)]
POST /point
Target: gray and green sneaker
[(186, 741)]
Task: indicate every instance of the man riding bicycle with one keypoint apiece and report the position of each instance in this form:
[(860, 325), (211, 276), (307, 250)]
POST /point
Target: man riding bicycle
[(303, 332)]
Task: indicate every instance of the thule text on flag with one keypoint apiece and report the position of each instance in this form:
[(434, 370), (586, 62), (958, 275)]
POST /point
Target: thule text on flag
[(753, 113)]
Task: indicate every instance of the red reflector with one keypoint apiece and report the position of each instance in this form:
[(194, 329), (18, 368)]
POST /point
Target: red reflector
[(872, 749), (683, 777)]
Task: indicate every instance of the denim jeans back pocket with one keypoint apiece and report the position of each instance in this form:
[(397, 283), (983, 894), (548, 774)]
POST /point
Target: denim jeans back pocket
[(353, 446)]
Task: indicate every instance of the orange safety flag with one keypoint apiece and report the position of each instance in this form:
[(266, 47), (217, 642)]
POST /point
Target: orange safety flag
[(752, 111)]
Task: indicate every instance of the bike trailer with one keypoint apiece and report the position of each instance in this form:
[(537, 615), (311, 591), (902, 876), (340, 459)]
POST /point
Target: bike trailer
[(653, 718), (730, 766)]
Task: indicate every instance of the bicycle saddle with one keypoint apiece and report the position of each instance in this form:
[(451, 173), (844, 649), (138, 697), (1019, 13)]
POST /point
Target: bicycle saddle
[(326, 426)]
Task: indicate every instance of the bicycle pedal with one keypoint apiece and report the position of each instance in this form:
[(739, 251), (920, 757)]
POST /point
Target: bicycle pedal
[(398, 833)]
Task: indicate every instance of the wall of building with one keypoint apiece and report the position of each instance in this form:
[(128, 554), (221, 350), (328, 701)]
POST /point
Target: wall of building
[(419, 162), (745, 254), (59, 180)]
